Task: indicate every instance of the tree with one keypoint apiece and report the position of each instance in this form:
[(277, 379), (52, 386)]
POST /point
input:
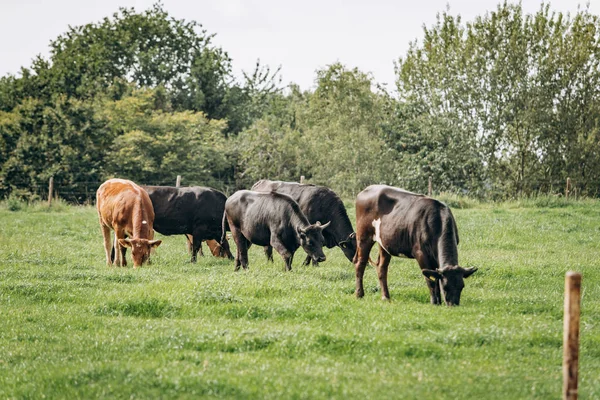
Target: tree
[(519, 87)]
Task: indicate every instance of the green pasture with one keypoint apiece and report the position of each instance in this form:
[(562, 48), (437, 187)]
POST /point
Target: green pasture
[(71, 327)]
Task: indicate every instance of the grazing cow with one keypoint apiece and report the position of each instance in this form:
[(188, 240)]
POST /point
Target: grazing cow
[(414, 226), (271, 219), (195, 211), (318, 203), (126, 208)]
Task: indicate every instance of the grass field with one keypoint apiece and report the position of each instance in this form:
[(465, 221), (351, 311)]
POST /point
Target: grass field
[(73, 328)]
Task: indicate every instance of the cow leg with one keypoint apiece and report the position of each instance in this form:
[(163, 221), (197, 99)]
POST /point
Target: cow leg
[(434, 288), (241, 243), (283, 252), (362, 258), (307, 260), (107, 244), (196, 248), (225, 251), (120, 252), (191, 246), (382, 271), (245, 248), (269, 253), (123, 254), (188, 242)]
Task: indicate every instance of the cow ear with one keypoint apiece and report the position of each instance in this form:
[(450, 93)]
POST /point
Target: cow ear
[(154, 243), (467, 272), (431, 274), (125, 242)]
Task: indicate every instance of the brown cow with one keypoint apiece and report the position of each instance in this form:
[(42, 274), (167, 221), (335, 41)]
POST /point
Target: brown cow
[(126, 208), (413, 226)]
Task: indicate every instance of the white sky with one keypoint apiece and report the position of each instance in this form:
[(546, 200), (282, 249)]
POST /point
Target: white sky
[(301, 36)]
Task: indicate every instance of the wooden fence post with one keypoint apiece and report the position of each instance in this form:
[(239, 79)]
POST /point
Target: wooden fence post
[(568, 188), (302, 179), (429, 187), (50, 190), (178, 182), (571, 335)]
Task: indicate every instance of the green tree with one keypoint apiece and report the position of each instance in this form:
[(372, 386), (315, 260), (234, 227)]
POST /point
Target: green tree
[(519, 87), (156, 145)]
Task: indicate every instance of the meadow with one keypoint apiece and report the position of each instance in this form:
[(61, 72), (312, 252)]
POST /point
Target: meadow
[(71, 327)]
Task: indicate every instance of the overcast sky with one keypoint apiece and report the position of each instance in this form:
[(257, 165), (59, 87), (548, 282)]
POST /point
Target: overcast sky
[(301, 36)]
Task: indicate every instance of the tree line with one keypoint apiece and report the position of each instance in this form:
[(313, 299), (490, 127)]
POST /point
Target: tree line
[(502, 106)]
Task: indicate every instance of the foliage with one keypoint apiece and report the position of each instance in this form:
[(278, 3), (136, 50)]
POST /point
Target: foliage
[(133, 79), (13, 203), (523, 90), (332, 136), (156, 145)]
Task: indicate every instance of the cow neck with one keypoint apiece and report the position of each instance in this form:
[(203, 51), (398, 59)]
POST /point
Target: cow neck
[(140, 230), (447, 250), (340, 224), (299, 221)]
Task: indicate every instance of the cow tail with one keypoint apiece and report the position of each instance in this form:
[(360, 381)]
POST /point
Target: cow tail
[(224, 228)]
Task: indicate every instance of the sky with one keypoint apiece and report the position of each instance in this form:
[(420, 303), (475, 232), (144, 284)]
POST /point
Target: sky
[(300, 36)]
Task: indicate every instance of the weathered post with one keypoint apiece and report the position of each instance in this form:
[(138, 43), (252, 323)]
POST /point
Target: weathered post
[(429, 187), (178, 182), (302, 179), (50, 190), (571, 335), (568, 188)]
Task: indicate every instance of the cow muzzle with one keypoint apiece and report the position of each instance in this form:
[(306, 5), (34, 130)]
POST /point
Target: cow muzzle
[(319, 258)]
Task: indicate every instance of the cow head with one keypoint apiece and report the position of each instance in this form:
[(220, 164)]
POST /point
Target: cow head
[(311, 240), (451, 280), (348, 246), (140, 249)]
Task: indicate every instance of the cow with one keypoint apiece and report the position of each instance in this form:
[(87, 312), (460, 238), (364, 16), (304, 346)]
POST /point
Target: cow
[(414, 226), (318, 203), (195, 211), (127, 209), (271, 219)]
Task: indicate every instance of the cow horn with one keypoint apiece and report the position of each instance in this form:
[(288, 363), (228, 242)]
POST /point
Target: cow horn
[(469, 271), (323, 226)]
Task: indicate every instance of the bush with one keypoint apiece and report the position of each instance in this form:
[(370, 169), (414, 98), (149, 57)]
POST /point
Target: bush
[(14, 203), (457, 201)]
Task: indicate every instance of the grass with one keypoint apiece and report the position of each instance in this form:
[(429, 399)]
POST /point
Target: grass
[(74, 328)]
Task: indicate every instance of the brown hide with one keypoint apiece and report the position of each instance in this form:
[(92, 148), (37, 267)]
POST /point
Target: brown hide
[(414, 226), (126, 208)]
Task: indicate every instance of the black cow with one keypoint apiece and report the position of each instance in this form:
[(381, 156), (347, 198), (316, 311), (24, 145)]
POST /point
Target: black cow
[(271, 219), (414, 226), (318, 203), (195, 211)]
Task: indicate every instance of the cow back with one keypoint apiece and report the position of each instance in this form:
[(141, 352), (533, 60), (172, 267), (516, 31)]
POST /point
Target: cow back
[(122, 204)]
